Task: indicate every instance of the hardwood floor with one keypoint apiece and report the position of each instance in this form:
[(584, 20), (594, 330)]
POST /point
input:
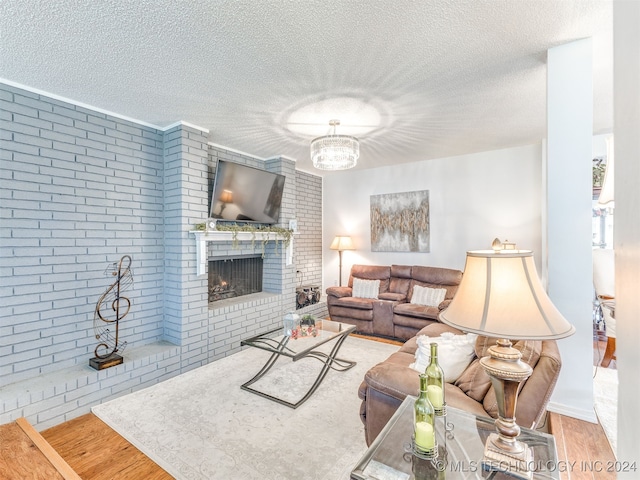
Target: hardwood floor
[(583, 449), (96, 452)]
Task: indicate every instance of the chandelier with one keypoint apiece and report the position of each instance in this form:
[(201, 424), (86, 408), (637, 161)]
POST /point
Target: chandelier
[(335, 152)]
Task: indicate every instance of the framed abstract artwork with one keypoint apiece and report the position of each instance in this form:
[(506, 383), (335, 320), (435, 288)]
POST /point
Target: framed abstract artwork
[(400, 222)]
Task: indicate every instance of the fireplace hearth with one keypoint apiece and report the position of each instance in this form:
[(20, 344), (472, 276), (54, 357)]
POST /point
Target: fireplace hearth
[(231, 277)]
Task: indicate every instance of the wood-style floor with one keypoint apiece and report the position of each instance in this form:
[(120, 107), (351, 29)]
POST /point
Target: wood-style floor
[(583, 448), (96, 452)]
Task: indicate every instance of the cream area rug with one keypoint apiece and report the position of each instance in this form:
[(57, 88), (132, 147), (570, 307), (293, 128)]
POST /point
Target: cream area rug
[(605, 396), (201, 425)]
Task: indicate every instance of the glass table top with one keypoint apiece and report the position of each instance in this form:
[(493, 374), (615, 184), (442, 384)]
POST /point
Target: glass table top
[(298, 347), (460, 450)]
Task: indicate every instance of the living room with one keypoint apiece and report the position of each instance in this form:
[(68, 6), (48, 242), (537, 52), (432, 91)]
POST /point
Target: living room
[(91, 186)]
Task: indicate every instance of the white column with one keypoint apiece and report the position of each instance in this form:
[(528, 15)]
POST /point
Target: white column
[(568, 214), (626, 125)]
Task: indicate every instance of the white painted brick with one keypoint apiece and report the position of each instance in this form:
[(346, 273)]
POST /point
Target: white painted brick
[(117, 215)]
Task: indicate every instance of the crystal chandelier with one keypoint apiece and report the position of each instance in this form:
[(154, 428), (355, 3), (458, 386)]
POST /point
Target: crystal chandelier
[(335, 152)]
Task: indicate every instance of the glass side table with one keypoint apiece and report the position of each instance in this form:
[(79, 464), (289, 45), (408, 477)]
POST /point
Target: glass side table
[(461, 448), (280, 345)]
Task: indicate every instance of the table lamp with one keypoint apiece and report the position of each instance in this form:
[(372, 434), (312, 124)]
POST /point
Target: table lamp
[(341, 243), (501, 296), (225, 197)]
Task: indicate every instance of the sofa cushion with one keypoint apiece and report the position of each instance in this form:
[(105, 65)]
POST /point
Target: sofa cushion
[(394, 297), (371, 272), (413, 310), (456, 398), (400, 279), (353, 302), (436, 275), (455, 353), (474, 381), (430, 297), (365, 288)]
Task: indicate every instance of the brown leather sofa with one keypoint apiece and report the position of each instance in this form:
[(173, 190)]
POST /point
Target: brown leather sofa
[(391, 314), (387, 384)]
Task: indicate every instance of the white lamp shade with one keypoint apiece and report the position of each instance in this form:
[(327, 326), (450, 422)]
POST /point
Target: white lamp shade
[(342, 243), (501, 296)]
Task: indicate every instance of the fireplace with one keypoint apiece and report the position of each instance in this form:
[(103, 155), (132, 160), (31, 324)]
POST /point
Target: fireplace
[(234, 276)]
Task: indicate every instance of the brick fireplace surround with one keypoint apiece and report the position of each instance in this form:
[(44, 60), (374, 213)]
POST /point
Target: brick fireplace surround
[(95, 186)]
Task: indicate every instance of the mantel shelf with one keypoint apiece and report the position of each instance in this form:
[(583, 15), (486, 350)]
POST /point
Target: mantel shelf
[(204, 237)]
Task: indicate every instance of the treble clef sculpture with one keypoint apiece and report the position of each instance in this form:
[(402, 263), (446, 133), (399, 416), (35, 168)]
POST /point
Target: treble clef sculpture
[(110, 309)]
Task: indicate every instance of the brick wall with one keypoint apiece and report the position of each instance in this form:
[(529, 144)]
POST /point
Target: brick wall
[(232, 320), (80, 189), (308, 254)]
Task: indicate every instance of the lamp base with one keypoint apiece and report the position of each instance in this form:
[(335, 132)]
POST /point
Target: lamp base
[(515, 462), (502, 450)]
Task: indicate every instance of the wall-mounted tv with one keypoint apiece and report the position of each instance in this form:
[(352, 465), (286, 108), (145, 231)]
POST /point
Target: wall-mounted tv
[(246, 194)]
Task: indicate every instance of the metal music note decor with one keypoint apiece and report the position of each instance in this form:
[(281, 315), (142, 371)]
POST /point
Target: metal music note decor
[(106, 325)]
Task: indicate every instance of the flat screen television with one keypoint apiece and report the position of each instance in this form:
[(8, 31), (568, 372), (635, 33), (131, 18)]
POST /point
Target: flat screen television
[(246, 194)]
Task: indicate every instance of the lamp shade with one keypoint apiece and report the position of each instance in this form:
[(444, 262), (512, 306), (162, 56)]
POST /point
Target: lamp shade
[(342, 243), (226, 196), (500, 295)]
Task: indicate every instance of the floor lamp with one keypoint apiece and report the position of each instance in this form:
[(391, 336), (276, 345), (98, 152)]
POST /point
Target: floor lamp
[(501, 296), (341, 243)]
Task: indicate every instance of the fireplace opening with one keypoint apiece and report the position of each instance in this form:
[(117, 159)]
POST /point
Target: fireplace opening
[(234, 276)]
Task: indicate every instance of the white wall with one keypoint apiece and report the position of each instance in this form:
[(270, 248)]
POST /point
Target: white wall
[(568, 218), (626, 97), (473, 199)]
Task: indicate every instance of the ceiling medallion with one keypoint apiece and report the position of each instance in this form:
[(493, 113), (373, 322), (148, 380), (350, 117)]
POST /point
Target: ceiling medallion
[(335, 152)]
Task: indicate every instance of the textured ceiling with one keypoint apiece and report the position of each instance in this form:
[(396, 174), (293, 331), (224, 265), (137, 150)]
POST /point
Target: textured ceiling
[(414, 80)]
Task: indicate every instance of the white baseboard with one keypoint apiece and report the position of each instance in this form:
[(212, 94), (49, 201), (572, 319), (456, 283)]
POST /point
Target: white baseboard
[(579, 413)]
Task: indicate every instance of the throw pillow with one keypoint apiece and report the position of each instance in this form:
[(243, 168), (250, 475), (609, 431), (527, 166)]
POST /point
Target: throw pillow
[(430, 297), (455, 353), (365, 288)]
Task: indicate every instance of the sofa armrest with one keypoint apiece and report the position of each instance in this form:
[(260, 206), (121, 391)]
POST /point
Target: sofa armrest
[(339, 292), (382, 391), (394, 380), (537, 390), (444, 304)]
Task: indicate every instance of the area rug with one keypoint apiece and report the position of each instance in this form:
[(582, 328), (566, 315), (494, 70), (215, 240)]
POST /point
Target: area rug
[(605, 396), (201, 425)]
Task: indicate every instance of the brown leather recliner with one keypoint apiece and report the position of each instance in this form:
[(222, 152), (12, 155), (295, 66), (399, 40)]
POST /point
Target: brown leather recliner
[(392, 314), (387, 384)]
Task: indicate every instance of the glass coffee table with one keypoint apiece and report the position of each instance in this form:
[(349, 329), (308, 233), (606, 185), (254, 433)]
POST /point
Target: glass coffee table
[(298, 348), (460, 450)]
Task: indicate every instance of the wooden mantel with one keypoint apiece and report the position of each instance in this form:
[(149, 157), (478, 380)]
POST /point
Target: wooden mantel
[(204, 237)]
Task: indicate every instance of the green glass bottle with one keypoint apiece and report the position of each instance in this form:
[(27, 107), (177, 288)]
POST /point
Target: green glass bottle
[(423, 419), (435, 382)]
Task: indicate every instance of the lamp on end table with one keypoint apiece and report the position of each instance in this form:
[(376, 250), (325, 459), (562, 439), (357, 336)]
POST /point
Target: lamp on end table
[(341, 243), (501, 296)]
